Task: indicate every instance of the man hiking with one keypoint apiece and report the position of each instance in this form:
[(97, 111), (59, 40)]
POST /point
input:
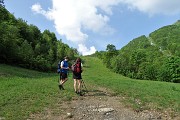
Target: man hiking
[(77, 70), (63, 74)]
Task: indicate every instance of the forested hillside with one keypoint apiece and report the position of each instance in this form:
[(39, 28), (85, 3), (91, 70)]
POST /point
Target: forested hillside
[(25, 45), (156, 57)]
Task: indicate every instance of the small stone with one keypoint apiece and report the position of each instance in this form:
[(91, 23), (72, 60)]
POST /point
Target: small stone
[(107, 113), (159, 117), (104, 109), (69, 115)]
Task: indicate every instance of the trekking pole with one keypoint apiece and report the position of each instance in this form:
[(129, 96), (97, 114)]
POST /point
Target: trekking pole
[(83, 85)]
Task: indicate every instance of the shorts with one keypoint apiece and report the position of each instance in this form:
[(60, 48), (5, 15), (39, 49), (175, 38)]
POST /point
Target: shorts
[(63, 76), (77, 76)]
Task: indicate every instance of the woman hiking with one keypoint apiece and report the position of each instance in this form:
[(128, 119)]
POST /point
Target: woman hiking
[(77, 70)]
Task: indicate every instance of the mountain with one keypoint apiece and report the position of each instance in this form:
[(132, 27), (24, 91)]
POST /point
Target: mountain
[(153, 57), (168, 38), (177, 23)]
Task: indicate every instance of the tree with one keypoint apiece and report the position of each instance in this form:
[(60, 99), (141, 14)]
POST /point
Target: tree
[(51, 41), (111, 52), (8, 42), (1, 3), (26, 53), (136, 59), (147, 71), (111, 48), (25, 45), (36, 35)]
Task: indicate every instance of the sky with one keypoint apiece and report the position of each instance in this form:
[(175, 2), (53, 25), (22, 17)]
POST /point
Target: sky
[(90, 25)]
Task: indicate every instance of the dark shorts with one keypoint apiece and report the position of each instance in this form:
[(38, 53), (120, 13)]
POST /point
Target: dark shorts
[(77, 76), (63, 76)]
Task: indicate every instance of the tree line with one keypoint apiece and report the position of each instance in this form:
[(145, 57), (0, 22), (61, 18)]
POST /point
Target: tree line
[(156, 57), (25, 45)]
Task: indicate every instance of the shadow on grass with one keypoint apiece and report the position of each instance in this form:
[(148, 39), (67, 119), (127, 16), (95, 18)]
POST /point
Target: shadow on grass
[(94, 93)]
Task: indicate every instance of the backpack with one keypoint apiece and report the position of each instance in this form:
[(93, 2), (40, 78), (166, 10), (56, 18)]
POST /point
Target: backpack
[(59, 68), (76, 68)]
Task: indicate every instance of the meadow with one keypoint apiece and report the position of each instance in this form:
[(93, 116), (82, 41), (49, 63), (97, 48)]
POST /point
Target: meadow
[(24, 92)]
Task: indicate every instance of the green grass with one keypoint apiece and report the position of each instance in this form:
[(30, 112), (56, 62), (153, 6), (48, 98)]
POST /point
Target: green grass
[(141, 94), (24, 92)]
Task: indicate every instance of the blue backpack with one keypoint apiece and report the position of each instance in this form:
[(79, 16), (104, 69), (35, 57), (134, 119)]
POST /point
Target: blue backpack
[(59, 68)]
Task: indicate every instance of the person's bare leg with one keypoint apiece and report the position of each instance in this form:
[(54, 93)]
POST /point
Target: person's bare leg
[(79, 85), (60, 81), (60, 84), (75, 89), (63, 81)]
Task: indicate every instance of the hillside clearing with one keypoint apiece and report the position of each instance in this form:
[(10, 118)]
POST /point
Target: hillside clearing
[(34, 95)]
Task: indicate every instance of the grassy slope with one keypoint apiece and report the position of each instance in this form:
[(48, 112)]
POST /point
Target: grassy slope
[(23, 92), (142, 94)]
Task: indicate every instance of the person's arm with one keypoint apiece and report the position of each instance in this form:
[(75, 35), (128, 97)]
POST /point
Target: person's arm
[(62, 63)]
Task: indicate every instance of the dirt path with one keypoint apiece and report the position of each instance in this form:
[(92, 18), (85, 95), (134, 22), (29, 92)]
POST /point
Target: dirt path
[(98, 104), (101, 105)]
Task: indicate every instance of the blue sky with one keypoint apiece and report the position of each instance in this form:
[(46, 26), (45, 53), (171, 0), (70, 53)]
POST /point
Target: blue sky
[(90, 25)]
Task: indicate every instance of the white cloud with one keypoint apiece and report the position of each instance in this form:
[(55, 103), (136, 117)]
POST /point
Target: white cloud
[(38, 9), (71, 17), (152, 7), (85, 51)]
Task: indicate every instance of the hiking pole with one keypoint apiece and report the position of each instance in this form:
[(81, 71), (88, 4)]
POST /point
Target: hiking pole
[(83, 85)]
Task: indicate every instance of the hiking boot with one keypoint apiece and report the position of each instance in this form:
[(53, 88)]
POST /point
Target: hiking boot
[(60, 87), (79, 93)]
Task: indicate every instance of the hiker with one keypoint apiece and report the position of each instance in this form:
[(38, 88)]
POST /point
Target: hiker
[(77, 70), (63, 74)]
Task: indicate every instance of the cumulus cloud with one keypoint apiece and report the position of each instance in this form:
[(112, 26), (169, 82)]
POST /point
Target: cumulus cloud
[(73, 18), (85, 51), (38, 9), (152, 7)]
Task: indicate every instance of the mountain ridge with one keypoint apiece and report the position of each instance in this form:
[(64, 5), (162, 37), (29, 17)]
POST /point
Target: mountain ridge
[(153, 57)]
